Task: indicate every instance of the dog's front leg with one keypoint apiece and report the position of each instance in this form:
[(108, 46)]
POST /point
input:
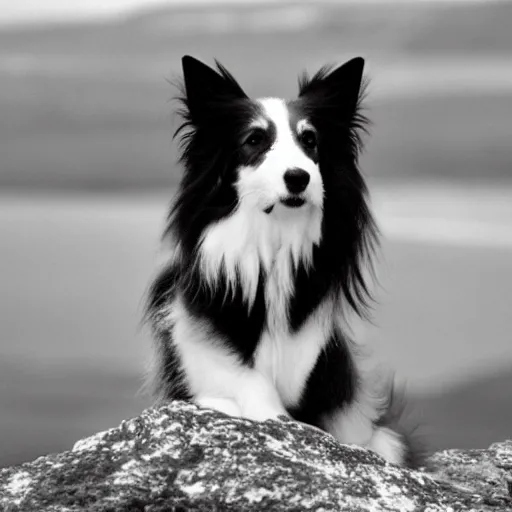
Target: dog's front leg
[(258, 398), (355, 425), (216, 376), (249, 394)]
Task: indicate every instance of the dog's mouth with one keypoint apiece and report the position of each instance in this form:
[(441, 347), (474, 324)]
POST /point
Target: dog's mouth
[(293, 201), (289, 202)]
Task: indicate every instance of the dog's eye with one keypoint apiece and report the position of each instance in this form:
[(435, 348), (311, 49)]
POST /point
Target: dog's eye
[(256, 138), (308, 139)]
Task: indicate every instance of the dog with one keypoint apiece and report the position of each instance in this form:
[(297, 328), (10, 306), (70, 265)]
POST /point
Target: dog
[(272, 240)]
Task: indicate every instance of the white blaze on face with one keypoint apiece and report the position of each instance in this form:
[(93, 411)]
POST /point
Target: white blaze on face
[(263, 185)]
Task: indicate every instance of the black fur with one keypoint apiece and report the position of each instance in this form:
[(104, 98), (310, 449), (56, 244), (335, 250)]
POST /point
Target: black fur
[(169, 382), (228, 313), (331, 384)]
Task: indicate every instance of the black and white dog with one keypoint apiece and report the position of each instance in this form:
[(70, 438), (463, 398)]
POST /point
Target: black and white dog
[(272, 237)]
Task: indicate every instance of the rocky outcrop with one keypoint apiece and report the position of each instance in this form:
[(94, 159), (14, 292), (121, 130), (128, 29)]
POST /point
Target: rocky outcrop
[(180, 457)]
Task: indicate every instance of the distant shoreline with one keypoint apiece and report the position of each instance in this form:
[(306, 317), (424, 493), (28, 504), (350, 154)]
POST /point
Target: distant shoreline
[(421, 212)]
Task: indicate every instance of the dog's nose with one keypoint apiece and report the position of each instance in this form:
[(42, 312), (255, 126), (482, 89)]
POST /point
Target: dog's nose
[(296, 180)]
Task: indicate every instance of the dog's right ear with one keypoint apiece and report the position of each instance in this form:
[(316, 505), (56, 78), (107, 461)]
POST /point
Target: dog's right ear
[(207, 88), (335, 92)]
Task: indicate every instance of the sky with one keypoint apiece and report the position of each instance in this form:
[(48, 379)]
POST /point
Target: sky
[(23, 11)]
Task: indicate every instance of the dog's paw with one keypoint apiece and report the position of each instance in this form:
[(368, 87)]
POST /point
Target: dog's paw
[(225, 405), (264, 412), (388, 444)]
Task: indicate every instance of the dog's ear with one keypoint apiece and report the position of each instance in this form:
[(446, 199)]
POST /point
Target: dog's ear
[(337, 90), (206, 88)]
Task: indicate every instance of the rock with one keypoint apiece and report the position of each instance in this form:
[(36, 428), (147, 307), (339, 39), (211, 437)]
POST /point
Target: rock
[(180, 457)]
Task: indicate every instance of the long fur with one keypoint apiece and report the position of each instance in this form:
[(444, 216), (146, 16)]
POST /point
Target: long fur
[(249, 315)]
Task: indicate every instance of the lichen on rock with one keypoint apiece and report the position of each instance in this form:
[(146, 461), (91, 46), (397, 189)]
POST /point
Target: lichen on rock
[(181, 457)]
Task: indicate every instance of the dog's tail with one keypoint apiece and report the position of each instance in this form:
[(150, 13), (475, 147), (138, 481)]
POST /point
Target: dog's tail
[(395, 416)]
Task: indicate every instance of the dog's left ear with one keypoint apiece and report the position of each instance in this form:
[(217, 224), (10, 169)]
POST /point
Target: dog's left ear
[(207, 88), (336, 90)]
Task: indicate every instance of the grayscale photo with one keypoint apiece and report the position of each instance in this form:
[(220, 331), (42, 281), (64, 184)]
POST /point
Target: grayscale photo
[(255, 255)]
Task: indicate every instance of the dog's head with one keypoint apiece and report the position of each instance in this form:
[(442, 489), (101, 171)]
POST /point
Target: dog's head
[(268, 155)]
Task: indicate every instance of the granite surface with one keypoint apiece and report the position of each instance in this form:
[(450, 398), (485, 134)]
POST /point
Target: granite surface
[(181, 457)]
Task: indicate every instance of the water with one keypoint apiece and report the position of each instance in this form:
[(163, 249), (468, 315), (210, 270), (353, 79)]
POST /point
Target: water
[(75, 268)]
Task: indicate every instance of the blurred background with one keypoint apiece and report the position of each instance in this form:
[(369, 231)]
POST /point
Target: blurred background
[(87, 169)]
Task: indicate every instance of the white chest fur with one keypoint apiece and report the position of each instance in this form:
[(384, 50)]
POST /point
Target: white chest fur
[(248, 241), (287, 359)]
